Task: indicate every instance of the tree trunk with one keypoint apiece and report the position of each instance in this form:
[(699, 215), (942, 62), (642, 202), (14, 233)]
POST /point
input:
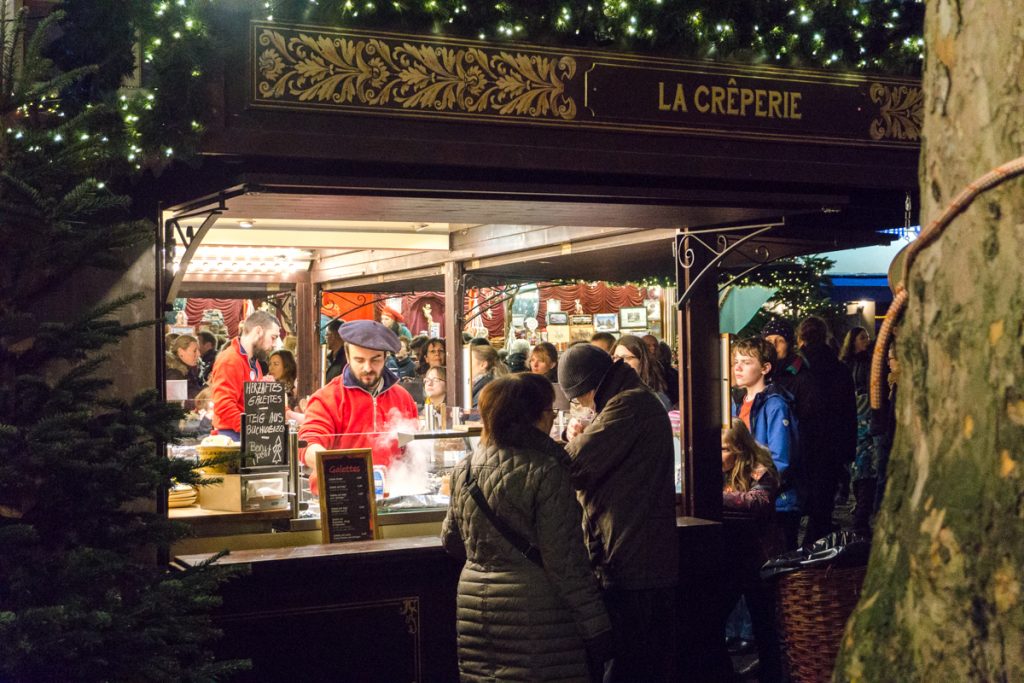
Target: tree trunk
[(942, 600)]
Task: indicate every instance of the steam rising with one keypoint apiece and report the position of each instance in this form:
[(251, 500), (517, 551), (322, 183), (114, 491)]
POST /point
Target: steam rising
[(407, 475)]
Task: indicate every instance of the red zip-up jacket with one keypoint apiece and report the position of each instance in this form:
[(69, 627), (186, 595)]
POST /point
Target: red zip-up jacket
[(342, 414), (231, 371)]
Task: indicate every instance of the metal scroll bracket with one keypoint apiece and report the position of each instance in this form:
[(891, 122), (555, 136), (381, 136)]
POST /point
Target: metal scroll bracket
[(191, 238), (727, 241)]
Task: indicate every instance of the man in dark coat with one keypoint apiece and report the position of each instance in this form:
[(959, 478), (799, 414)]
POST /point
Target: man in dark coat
[(623, 466), (837, 442), (791, 373), (207, 353), (335, 351)]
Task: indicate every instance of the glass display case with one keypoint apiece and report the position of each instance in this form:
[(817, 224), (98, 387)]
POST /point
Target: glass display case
[(412, 471)]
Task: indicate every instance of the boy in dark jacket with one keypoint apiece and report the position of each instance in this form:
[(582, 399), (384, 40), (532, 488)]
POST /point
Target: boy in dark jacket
[(767, 410), (792, 373)]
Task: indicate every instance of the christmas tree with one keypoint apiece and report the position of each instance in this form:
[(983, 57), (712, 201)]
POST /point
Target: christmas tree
[(800, 286), (82, 597)]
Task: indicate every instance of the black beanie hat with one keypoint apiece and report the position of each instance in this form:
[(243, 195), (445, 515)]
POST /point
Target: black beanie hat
[(781, 328), (581, 369)]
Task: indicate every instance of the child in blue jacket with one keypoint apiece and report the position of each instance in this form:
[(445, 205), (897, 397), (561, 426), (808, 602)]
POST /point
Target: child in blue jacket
[(767, 410)]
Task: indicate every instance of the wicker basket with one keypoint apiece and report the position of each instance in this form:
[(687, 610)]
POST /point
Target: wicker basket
[(813, 607)]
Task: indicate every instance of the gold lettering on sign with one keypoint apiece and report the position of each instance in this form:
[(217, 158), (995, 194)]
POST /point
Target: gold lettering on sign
[(733, 100), (700, 99), (678, 103)]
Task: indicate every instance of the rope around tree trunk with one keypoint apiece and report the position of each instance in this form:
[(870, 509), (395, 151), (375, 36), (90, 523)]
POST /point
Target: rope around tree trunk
[(933, 231)]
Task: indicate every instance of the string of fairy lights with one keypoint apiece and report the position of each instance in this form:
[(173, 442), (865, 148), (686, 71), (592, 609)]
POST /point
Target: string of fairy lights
[(165, 117)]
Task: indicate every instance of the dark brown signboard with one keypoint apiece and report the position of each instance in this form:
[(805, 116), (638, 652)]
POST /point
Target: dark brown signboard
[(266, 432), (348, 506), (312, 67)]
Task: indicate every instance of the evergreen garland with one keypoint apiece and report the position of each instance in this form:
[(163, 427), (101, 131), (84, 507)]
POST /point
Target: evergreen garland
[(165, 118), (81, 596)]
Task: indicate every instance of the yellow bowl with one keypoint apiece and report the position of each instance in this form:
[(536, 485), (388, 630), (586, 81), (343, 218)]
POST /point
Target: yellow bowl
[(210, 452)]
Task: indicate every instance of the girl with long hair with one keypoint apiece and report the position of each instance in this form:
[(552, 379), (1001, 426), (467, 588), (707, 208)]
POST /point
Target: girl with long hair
[(182, 362), (543, 360), (750, 484), (635, 353), (749, 478), (486, 366)]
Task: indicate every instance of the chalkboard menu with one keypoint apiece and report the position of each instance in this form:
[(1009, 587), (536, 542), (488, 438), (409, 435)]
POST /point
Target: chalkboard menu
[(348, 506), (266, 433)]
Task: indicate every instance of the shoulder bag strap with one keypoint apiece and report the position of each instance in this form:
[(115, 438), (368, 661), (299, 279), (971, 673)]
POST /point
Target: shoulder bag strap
[(529, 551)]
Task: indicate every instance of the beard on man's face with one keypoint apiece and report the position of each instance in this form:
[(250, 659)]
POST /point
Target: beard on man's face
[(368, 379)]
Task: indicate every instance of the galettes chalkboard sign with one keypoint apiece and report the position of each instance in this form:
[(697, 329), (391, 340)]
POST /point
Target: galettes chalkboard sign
[(266, 432), (348, 506)]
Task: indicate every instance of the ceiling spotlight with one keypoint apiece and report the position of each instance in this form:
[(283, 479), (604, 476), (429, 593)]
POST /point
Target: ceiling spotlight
[(246, 224)]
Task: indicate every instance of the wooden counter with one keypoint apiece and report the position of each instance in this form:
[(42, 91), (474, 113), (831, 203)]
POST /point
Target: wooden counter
[(385, 610), (217, 530)]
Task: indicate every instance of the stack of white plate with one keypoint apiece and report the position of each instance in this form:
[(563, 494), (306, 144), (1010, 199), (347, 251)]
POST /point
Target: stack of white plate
[(181, 496)]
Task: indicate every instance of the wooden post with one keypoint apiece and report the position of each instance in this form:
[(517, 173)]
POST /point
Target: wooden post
[(700, 412), (307, 327), (454, 313)]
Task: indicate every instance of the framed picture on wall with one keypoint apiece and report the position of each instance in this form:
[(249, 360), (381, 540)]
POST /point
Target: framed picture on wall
[(581, 320), (581, 333), (606, 322), (653, 307), (558, 318), (633, 318)]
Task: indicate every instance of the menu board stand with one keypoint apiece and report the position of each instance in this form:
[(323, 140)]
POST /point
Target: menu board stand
[(348, 505), (264, 429)]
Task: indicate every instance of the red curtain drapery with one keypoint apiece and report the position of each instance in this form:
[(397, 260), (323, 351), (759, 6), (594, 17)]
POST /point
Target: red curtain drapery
[(231, 309), (592, 298), (589, 298), (491, 301), (416, 317)]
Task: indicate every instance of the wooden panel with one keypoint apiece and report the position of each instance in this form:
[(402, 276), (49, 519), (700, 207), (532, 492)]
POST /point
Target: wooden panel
[(362, 611)]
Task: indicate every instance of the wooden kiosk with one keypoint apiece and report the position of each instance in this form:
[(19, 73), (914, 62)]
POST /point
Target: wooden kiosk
[(600, 166)]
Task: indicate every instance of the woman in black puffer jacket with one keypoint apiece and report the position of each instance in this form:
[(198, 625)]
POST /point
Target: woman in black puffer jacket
[(518, 620)]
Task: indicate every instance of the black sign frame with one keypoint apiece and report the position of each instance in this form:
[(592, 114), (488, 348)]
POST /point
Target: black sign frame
[(265, 428), (357, 464), (378, 73)]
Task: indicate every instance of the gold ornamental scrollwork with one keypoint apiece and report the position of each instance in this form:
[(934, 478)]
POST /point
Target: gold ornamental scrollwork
[(901, 112), (410, 609), (373, 72)]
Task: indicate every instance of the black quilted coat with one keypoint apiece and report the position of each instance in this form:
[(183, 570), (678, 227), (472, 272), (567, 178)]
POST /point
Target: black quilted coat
[(516, 621)]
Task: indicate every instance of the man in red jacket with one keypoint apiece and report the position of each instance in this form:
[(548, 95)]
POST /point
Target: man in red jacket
[(236, 365), (365, 405)]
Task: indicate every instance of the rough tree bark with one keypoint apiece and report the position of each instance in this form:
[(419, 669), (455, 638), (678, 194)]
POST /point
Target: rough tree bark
[(942, 600)]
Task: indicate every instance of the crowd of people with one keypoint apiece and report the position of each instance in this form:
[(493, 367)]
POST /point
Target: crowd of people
[(580, 527), (801, 426), (570, 554), (253, 355)]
